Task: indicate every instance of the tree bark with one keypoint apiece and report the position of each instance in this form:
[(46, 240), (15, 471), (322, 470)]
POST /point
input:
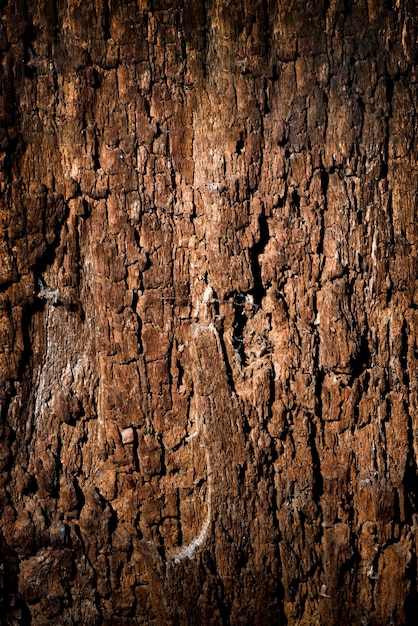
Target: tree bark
[(208, 346)]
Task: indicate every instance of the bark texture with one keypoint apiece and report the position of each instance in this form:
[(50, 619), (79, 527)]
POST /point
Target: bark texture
[(208, 322)]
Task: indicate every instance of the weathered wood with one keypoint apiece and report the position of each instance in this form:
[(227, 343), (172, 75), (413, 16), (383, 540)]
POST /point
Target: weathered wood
[(208, 312)]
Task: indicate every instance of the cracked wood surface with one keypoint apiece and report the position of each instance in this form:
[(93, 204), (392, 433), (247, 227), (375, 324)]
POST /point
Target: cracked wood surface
[(208, 312)]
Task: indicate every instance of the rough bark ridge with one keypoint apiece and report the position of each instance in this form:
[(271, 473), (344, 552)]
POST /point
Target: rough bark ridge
[(208, 312)]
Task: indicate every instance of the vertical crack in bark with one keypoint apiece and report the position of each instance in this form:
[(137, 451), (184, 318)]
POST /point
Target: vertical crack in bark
[(258, 291), (324, 188), (240, 321)]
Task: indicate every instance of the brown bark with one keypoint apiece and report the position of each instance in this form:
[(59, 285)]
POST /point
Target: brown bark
[(208, 312)]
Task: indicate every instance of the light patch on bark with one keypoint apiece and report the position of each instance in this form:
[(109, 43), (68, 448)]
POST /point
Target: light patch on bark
[(188, 551)]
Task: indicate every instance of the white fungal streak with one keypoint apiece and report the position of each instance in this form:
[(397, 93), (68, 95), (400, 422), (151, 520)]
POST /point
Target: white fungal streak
[(75, 171), (198, 430), (40, 393), (41, 385), (193, 435), (374, 246), (188, 551), (373, 256), (207, 298), (208, 295), (203, 327)]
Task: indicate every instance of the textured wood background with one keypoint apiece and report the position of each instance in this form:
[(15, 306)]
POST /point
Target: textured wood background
[(208, 312)]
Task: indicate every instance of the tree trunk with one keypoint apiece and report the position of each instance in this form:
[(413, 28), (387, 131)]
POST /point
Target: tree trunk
[(208, 312)]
